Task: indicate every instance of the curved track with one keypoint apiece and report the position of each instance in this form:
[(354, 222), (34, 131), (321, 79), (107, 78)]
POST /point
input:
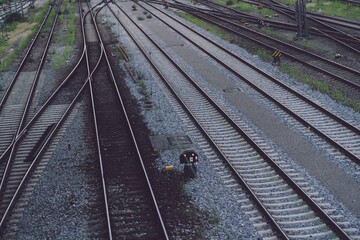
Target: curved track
[(36, 135), (129, 201)]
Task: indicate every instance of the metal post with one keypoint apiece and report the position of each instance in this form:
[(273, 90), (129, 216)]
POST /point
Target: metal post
[(300, 8)]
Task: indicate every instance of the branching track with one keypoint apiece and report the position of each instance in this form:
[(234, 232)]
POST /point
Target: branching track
[(36, 132), (290, 207), (335, 130), (130, 204), (281, 204), (122, 171), (338, 76)]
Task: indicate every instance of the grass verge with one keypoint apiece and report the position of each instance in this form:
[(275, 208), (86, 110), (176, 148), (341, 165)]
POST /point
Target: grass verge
[(34, 17), (209, 27), (322, 87), (316, 84), (334, 8), (59, 58)]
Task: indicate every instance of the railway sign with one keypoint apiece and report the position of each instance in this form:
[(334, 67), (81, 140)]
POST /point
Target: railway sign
[(276, 56)]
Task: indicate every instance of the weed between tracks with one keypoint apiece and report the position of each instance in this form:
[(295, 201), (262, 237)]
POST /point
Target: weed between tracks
[(322, 87), (263, 54), (68, 38), (209, 27), (335, 8), (18, 35)]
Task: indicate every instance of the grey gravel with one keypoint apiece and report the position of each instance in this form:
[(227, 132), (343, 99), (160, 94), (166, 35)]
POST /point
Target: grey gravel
[(162, 120), (207, 191)]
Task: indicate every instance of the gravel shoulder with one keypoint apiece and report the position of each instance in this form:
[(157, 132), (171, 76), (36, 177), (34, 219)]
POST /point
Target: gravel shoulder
[(201, 207)]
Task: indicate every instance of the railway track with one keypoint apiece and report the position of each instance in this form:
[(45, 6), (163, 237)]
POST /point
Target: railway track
[(339, 76), (36, 135), (328, 26), (289, 211), (336, 21), (129, 201), (288, 22), (31, 148), (292, 105), (17, 124)]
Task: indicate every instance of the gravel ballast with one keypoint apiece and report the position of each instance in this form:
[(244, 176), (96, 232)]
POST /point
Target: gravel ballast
[(63, 215)]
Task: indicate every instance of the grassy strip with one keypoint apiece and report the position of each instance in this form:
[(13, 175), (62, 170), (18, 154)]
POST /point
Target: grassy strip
[(246, 7), (69, 19), (335, 8), (209, 27), (36, 18), (322, 87), (316, 84), (58, 59), (69, 37)]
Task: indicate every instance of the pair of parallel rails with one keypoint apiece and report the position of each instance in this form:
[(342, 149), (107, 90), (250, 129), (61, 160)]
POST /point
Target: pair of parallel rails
[(30, 135), (339, 76), (253, 167)]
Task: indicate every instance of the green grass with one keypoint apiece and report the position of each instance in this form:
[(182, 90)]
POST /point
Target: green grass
[(58, 60), (316, 84), (33, 16), (337, 9), (69, 36), (262, 53), (143, 89), (334, 8), (246, 7), (238, 5), (49, 21), (12, 26), (265, 12), (209, 27), (4, 44), (335, 94)]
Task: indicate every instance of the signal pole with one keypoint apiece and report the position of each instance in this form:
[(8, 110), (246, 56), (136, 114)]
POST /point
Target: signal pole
[(300, 9)]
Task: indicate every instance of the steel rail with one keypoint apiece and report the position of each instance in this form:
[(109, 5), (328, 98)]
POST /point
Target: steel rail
[(7, 13), (36, 159), (18, 70), (43, 107), (191, 115), (354, 84), (290, 13), (28, 102), (302, 194), (164, 230), (27, 175), (343, 22), (285, 11), (327, 61), (276, 24), (288, 88), (103, 181)]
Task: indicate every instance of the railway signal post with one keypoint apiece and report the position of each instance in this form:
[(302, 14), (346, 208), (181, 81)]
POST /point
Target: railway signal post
[(276, 57), (300, 8), (190, 160)]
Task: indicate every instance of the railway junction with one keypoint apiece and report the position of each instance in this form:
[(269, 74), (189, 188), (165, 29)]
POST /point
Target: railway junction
[(156, 128)]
